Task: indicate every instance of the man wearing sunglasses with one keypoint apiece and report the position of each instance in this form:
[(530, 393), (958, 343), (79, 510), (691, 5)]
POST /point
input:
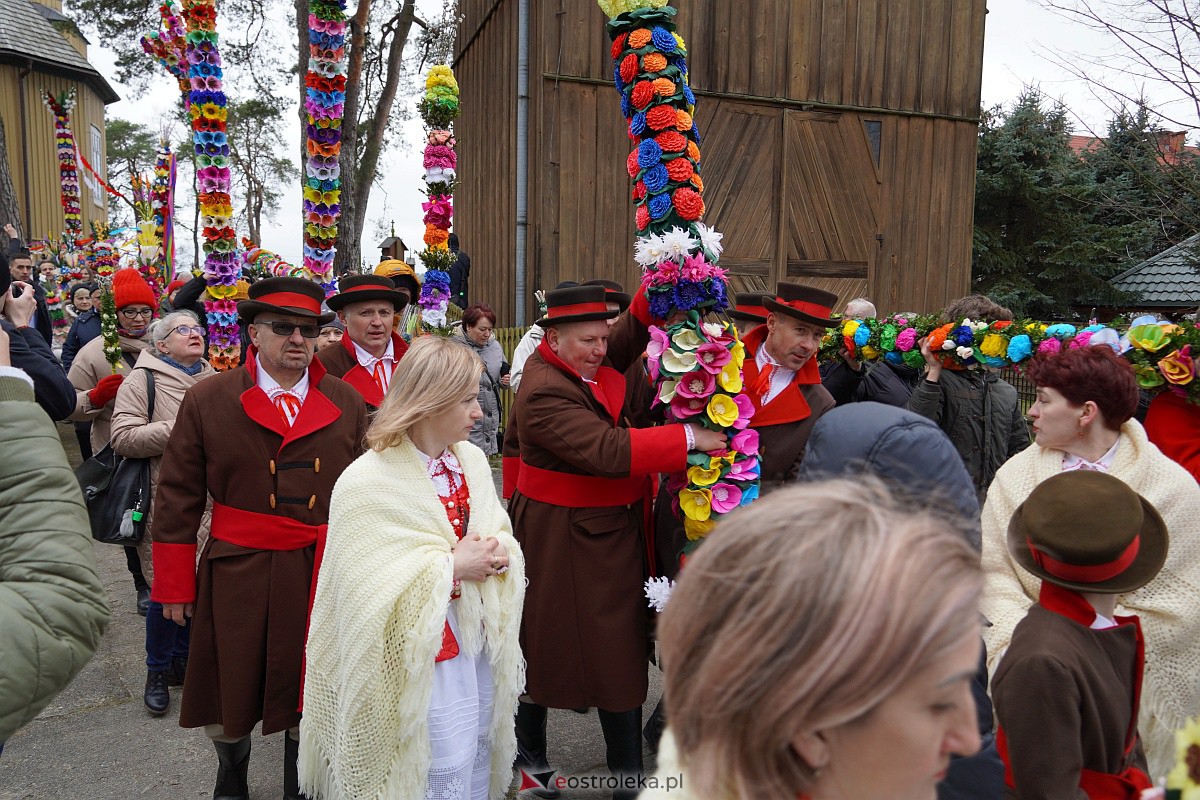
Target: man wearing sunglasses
[(265, 442), (371, 349)]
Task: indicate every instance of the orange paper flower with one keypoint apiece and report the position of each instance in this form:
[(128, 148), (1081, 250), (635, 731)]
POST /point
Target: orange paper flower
[(435, 235), (683, 120), (938, 336), (693, 152), (664, 87), (640, 38), (654, 62)]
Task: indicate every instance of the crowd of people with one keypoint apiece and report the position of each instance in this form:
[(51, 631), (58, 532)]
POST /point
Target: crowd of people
[(924, 603)]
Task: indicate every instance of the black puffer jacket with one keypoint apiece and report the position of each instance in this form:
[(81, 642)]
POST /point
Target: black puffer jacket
[(913, 456)]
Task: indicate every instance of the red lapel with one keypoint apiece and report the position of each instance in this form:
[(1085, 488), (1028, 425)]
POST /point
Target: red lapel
[(787, 406), (317, 412), (363, 381), (608, 387)]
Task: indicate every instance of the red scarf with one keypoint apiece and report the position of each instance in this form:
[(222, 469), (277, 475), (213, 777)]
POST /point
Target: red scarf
[(789, 405), (608, 387)]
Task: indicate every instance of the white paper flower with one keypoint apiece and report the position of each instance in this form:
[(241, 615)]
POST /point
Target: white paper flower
[(712, 329), (666, 391), (710, 240), (643, 248), (965, 352), (658, 592), (678, 243)]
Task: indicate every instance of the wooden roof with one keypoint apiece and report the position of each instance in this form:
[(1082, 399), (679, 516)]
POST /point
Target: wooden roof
[(26, 35)]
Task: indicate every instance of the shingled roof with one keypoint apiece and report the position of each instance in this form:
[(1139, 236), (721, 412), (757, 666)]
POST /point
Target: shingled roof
[(1170, 279), (26, 35)]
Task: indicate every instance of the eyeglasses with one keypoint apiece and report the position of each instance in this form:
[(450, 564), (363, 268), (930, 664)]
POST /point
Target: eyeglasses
[(286, 328), (132, 314), (188, 330)]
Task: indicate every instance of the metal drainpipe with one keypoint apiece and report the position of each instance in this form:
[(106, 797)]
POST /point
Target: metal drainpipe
[(522, 155), (25, 146)]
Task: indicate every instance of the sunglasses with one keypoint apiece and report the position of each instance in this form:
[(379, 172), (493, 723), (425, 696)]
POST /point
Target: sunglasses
[(188, 330), (308, 331)]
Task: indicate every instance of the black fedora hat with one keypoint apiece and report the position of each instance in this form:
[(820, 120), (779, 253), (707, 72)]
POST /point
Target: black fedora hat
[(805, 303), (296, 297), (577, 304), (1088, 531), (613, 292), (748, 306), (360, 288)]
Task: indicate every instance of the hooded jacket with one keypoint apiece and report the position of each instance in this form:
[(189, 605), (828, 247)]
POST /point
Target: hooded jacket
[(914, 457)]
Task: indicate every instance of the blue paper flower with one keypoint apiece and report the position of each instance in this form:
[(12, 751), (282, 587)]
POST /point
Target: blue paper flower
[(893, 357), (1061, 331), (993, 361), (656, 179), (637, 125), (688, 294), (1019, 348), (862, 334), (688, 97), (620, 84), (749, 494), (662, 300), (649, 154), (660, 205), (663, 40), (626, 105), (962, 336)]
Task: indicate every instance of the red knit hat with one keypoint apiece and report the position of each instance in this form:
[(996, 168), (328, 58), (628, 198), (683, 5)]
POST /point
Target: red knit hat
[(130, 288), (175, 284)]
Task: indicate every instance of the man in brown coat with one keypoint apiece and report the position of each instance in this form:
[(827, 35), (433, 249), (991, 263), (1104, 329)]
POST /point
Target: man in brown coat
[(578, 511), (266, 441), (371, 350)]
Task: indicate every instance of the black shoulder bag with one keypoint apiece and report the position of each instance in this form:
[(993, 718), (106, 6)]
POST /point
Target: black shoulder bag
[(117, 490)]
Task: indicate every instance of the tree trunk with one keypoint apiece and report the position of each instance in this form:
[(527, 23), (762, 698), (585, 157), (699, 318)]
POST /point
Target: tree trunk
[(9, 211), (348, 250)]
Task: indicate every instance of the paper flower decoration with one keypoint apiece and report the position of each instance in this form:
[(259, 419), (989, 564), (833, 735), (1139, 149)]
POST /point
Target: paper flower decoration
[(438, 109), (68, 167)]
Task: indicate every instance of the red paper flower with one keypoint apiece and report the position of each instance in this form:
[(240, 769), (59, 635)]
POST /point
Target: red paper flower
[(642, 217), (619, 45), (680, 170), (688, 203), (629, 67), (639, 190), (671, 141), (660, 117), (631, 164), (643, 93)]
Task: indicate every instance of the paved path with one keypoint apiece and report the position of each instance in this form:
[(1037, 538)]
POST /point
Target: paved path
[(96, 740)]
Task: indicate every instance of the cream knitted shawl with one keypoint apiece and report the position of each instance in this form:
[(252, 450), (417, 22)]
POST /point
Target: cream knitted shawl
[(377, 624), (1169, 606)]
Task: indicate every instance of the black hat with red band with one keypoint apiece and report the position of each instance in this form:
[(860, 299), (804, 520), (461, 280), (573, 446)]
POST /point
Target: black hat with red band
[(361, 288), (295, 297), (1088, 531), (577, 304), (805, 303), (749, 306), (613, 292)]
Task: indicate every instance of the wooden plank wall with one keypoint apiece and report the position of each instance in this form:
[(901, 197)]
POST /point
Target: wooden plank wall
[(44, 188), (752, 64)]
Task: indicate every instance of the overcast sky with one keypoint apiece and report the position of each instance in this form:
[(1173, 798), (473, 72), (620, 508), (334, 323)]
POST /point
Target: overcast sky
[(1019, 35)]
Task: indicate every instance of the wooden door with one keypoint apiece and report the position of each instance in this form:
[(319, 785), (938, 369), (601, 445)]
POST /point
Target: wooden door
[(829, 224)]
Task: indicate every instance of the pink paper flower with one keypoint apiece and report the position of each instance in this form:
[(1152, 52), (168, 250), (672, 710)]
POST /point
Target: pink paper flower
[(744, 470), (746, 442), (745, 411), (725, 497), (1081, 340), (697, 384), (712, 357), (906, 340), (686, 407), (1050, 345), (654, 350)]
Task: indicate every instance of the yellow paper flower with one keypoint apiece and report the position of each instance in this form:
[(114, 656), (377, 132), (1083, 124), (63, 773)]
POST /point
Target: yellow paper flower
[(1186, 775), (993, 345), (730, 378), (737, 354), (1177, 368), (666, 392), (697, 528), (614, 8), (722, 410), (849, 328), (696, 503), (870, 353), (703, 477), (1150, 338)]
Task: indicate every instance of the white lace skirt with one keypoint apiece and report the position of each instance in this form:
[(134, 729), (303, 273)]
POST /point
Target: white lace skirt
[(460, 714)]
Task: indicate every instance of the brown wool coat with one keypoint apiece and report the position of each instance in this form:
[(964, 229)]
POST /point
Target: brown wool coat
[(1064, 700), (251, 605), (585, 624)]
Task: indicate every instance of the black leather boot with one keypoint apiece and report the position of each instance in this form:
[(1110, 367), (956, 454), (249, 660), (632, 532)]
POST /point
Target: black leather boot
[(531, 748), (155, 696), (177, 671), (233, 760), (623, 742), (291, 779)]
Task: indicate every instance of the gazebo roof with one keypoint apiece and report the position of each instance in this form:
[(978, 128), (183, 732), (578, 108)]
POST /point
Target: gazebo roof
[(1169, 279)]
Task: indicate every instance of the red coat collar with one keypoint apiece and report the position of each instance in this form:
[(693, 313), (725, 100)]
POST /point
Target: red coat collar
[(789, 405), (317, 412), (608, 387), (362, 380)]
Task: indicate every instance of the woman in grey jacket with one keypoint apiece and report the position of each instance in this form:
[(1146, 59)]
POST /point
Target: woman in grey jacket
[(53, 608), (478, 322)]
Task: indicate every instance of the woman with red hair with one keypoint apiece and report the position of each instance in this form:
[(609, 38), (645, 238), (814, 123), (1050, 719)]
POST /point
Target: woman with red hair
[(1083, 419)]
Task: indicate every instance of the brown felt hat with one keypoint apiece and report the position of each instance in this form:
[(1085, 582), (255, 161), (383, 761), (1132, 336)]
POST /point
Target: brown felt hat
[(613, 292), (360, 288), (1088, 531), (577, 304), (293, 296), (805, 303), (748, 306)]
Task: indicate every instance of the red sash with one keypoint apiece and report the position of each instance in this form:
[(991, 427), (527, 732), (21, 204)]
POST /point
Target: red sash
[(579, 491), (787, 406)]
